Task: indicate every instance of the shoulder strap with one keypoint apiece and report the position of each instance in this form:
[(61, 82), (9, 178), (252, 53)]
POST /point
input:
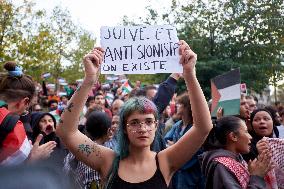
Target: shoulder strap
[(7, 125)]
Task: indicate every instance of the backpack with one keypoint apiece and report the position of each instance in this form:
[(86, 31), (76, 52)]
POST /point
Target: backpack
[(7, 125)]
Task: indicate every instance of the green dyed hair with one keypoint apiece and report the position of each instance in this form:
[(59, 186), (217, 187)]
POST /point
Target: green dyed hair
[(135, 104)]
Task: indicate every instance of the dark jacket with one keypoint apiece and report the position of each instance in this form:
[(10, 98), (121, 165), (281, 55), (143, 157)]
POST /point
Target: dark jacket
[(219, 177), (26, 119), (189, 175), (162, 98), (60, 152), (164, 94)]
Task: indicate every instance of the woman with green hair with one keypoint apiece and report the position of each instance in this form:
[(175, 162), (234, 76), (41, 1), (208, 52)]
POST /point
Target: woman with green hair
[(135, 165)]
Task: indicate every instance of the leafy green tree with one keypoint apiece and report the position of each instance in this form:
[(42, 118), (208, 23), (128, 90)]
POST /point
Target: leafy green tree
[(6, 34), (12, 28), (62, 30), (75, 70), (230, 34)]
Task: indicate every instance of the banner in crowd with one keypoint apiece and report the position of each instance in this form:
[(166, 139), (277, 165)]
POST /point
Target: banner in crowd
[(46, 75), (225, 91), (126, 88), (112, 77), (109, 98), (62, 81), (140, 50)]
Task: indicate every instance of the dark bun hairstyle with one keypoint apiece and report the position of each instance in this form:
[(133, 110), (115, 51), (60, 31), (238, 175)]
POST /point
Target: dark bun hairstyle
[(15, 85)]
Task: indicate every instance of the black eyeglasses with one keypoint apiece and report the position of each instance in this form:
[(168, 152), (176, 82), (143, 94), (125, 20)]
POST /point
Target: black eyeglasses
[(137, 124)]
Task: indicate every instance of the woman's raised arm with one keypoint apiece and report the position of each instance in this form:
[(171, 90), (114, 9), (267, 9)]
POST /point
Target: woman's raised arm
[(96, 156)]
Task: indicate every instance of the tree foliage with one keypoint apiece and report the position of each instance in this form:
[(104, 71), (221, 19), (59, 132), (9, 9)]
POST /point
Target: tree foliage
[(229, 34), (84, 44), (225, 35), (41, 42)]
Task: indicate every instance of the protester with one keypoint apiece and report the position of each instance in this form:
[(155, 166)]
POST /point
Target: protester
[(36, 108), (150, 91), (52, 105), (101, 101), (262, 126), (137, 163), (223, 164), (44, 123), (16, 93), (52, 96), (112, 143), (252, 104), (137, 84), (166, 114), (63, 103), (275, 118), (116, 105), (244, 111), (169, 124), (97, 128), (189, 175), (89, 103)]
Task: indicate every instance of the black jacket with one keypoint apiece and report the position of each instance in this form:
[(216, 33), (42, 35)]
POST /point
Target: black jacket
[(219, 177)]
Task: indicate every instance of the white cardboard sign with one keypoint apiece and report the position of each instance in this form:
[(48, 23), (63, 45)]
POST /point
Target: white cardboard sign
[(140, 50)]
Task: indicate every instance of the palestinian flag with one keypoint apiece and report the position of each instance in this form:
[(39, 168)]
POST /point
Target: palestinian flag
[(126, 88), (109, 98), (16, 146), (225, 90)]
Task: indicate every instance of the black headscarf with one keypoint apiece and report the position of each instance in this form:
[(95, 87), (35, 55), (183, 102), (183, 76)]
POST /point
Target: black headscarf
[(255, 137)]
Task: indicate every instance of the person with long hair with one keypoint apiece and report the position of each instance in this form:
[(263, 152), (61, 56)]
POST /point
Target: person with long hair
[(189, 175), (223, 165), (135, 165)]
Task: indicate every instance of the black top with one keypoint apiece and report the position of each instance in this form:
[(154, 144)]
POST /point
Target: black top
[(157, 181)]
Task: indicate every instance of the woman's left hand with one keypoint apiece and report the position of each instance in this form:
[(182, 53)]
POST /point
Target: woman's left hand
[(262, 145), (188, 58)]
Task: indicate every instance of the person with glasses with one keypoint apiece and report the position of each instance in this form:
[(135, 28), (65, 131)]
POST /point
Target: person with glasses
[(135, 165)]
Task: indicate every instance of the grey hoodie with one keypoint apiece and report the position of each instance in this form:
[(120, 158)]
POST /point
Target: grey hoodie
[(219, 177)]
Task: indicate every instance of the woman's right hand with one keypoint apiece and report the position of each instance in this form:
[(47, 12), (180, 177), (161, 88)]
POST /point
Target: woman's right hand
[(261, 165), (92, 62)]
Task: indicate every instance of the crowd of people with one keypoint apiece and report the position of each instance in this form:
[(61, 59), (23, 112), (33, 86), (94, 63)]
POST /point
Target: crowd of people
[(149, 137)]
